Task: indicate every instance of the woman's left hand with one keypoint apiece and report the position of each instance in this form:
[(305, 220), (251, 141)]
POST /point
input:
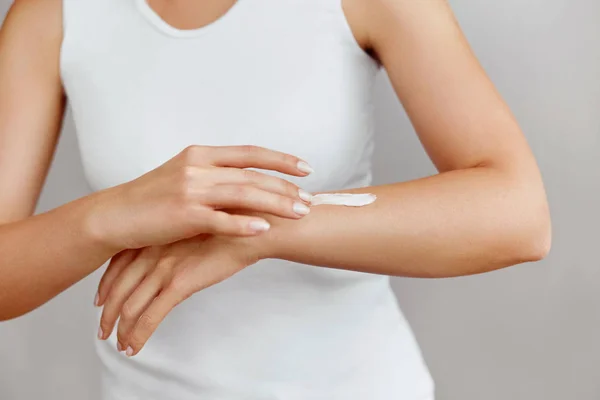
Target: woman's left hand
[(143, 286)]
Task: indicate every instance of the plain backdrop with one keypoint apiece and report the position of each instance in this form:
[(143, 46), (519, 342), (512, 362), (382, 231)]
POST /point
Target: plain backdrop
[(525, 333)]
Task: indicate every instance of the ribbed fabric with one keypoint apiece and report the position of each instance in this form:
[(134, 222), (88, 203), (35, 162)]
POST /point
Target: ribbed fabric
[(284, 74)]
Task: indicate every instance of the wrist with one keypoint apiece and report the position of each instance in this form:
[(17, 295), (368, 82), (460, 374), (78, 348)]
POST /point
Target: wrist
[(269, 244), (259, 247), (262, 246), (96, 226)]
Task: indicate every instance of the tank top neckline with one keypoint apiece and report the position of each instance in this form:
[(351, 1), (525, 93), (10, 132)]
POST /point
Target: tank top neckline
[(158, 22)]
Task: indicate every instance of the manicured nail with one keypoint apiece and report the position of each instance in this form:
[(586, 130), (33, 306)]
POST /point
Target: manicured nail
[(304, 195), (259, 226), (304, 167), (301, 209), (97, 300), (100, 333), (119, 347), (129, 351)]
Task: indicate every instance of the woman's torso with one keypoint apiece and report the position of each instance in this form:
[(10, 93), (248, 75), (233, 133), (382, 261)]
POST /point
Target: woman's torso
[(283, 74)]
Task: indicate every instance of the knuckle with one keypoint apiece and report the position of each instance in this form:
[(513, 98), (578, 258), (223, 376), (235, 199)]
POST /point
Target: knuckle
[(249, 149), (187, 175), (165, 265), (146, 323), (240, 192), (184, 185), (250, 152), (127, 312), (290, 188), (179, 288), (250, 175), (192, 153), (142, 330)]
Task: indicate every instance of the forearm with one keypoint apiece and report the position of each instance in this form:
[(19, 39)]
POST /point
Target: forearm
[(43, 255), (455, 223)]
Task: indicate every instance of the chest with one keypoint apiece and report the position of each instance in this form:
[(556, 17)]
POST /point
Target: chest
[(139, 97)]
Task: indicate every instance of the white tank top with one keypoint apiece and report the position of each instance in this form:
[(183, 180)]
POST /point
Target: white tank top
[(283, 74)]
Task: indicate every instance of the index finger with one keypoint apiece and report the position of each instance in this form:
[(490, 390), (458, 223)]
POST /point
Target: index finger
[(260, 157)]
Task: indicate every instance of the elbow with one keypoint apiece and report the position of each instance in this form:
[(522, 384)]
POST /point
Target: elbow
[(4, 318), (10, 309), (539, 245), (528, 220), (535, 238), (7, 315)]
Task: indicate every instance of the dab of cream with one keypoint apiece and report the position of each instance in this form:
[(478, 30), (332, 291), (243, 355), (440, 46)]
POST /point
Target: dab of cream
[(344, 199)]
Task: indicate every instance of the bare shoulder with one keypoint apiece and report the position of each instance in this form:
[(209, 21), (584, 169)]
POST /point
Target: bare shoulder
[(31, 101), (37, 6), (377, 22), (39, 19), (31, 36)]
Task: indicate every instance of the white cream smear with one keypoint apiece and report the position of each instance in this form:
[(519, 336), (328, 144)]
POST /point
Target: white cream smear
[(344, 199)]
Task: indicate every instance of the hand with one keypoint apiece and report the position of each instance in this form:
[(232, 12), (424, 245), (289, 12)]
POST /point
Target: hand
[(185, 197), (143, 286)]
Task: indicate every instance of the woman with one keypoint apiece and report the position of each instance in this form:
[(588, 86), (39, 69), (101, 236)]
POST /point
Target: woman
[(176, 104)]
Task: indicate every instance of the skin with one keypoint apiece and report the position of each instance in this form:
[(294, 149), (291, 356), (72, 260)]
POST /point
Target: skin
[(182, 198), (486, 208)]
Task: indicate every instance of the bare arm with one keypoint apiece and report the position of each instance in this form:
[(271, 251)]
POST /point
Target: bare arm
[(41, 255), (487, 207), (31, 102)]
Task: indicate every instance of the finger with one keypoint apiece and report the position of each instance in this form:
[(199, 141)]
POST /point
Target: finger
[(117, 263), (127, 281), (254, 199), (216, 222), (259, 157), (236, 176), (141, 298), (151, 319)]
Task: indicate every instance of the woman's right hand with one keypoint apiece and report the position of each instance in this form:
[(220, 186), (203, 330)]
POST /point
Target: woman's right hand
[(186, 197)]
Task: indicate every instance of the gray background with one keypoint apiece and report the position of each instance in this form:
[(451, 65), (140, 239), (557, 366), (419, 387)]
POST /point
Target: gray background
[(525, 333)]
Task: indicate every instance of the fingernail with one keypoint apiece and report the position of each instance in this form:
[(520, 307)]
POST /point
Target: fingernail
[(97, 300), (259, 226), (301, 209), (119, 347), (304, 167), (129, 351), (100, 334), (304, 195)]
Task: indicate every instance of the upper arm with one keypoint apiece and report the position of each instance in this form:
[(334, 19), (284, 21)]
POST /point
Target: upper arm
[(31, 102), (457, 113)]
